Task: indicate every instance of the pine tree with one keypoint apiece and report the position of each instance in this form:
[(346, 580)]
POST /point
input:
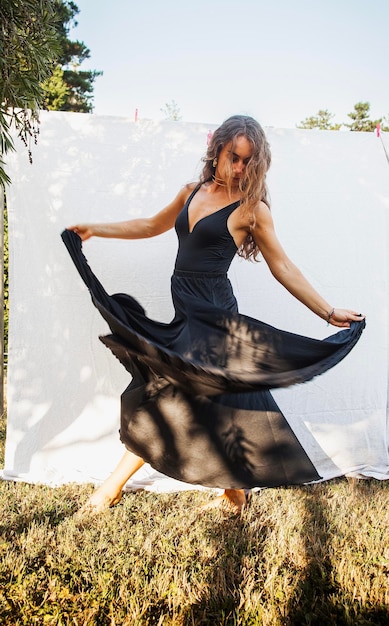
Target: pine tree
[(171, 110), (361, 120), (320, 121), (70, 89)]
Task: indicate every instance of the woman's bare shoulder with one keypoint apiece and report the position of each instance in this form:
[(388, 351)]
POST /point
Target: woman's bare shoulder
[(189, 187), (262, 212), (186, 190)]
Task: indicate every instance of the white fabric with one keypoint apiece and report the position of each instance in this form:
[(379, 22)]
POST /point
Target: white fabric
[(330, 202)]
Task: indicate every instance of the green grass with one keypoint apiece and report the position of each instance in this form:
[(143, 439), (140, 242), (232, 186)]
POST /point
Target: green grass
[(296, 556)]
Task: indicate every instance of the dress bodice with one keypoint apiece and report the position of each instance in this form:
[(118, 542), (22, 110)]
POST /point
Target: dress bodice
[(209, 247)]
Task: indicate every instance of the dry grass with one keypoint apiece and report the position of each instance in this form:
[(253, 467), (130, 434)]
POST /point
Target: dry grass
[(296, 556)]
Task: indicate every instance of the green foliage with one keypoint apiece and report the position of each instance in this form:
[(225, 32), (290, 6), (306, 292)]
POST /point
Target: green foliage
[(28, 49), (28, 45), (80, 85), (56, 90), (73, 90), (71, 51), (38, 68), (5, 279), (322, 121), (360, 118), (171, 111)]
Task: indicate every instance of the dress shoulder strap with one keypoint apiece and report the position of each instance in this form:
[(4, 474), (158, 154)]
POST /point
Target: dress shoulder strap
[(195, 190)]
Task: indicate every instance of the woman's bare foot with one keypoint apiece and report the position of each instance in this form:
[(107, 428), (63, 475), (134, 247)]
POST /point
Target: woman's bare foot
[(232, 501), (101, 499), (110, 492)]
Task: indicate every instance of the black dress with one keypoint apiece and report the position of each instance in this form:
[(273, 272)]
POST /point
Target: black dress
[(198, 407)]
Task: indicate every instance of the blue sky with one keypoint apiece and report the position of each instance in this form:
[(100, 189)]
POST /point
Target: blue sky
[(278, 60)]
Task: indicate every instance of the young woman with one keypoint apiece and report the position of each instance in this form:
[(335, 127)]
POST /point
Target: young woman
[(199, 407)]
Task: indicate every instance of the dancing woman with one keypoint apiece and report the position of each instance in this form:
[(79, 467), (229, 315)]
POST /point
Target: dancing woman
[(198, 407)]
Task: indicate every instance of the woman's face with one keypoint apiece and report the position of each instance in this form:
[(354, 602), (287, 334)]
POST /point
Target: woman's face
[(233, 159)]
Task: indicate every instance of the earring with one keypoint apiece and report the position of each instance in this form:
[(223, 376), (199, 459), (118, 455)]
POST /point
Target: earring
[(214, 162)]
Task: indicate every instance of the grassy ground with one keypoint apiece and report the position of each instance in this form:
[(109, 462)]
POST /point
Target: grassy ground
[(296, 556)]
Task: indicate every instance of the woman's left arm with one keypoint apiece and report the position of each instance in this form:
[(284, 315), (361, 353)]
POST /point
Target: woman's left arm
[(289, 275)]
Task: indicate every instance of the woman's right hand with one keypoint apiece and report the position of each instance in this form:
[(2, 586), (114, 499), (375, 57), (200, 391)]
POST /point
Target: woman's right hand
[(85, 231)]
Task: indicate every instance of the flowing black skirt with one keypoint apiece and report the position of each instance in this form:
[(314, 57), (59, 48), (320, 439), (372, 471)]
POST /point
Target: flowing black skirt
[(198, 407)]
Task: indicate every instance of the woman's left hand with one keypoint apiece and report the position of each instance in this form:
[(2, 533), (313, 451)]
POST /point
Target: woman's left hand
[(343, 317)]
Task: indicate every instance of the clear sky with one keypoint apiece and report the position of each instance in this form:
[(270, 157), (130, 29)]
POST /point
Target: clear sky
[(277, 60)]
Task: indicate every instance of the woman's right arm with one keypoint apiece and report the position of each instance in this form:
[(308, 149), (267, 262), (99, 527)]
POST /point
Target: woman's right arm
[(140, 228)]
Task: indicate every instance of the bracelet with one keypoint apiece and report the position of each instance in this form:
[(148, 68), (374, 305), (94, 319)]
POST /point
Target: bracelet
[(330, 314)]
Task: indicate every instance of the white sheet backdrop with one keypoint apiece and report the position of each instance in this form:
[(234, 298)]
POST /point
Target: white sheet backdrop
[(330, 201)]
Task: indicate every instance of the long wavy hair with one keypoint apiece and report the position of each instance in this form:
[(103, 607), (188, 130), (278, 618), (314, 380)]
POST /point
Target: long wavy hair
[(252, 185)]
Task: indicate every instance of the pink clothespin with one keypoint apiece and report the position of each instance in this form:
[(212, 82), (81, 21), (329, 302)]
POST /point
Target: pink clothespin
[(209, 137), (136, 115), (378, 130)]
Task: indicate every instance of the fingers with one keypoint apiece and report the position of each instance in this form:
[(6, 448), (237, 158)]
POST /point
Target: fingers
[(75, 227), (357, 316), (82, 231)]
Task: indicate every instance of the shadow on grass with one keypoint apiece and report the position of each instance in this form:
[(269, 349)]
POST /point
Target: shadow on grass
[(318, 597), (234, 541)]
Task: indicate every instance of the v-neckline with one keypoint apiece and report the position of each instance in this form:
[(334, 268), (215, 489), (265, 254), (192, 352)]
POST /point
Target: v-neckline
[(190, 230)]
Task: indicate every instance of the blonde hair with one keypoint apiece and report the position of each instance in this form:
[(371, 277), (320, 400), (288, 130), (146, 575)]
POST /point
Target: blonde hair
[(253, 184)]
